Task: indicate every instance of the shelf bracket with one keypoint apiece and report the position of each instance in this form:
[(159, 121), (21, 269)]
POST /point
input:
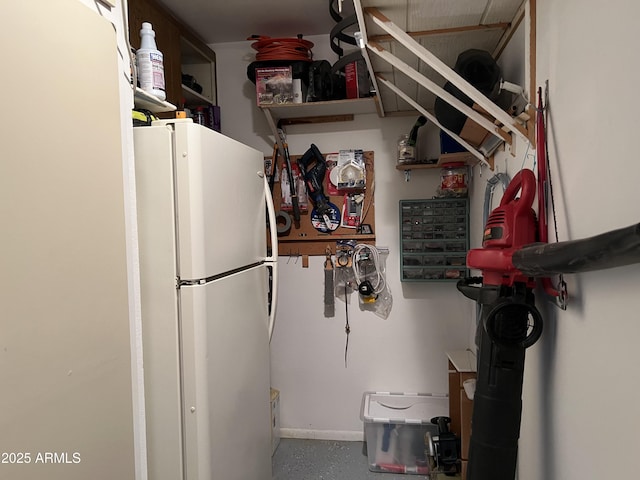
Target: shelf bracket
[(433, 119), (445, 71), (437, 90)]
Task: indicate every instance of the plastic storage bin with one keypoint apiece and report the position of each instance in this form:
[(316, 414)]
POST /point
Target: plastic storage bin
[(395, 426), (434, 239)]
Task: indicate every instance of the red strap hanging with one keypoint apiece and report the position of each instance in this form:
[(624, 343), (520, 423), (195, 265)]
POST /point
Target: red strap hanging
[(543, 188)]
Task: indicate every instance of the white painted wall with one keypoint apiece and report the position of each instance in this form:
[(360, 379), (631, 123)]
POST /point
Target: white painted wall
[(404, 353), (581, 384)]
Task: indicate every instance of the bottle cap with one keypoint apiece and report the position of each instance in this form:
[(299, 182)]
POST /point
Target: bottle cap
[(147, 29)]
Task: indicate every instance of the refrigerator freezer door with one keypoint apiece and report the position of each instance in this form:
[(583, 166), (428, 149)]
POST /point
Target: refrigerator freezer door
[(220, 203), (225, 363)]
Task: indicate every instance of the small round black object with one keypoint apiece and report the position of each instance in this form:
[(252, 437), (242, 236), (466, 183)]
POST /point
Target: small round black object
[(365, 288)]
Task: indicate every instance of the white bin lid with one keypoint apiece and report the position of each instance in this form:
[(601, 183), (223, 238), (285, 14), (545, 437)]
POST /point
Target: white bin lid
[(416, 408)]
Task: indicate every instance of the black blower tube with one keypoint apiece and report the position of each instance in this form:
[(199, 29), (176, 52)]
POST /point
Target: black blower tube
[(497, 409), (504, 334), (497, 402), (607, 250)]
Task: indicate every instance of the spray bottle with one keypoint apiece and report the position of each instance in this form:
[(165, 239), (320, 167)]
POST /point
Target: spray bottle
[(150, 63)]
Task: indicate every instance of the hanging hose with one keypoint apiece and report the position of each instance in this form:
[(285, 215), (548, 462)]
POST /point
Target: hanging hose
[(292, 49), (502, 178), (373, 255)]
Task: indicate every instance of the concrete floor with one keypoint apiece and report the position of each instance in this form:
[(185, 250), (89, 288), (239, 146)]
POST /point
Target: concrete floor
[(297, 459)]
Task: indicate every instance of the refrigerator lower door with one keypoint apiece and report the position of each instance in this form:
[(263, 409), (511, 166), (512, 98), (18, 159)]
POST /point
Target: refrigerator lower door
[(226, 385)]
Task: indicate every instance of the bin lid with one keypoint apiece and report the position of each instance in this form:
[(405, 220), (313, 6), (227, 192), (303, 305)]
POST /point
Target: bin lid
[(382, 407)]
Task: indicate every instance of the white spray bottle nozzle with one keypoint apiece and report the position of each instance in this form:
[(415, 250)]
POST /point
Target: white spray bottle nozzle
[(147, 29)]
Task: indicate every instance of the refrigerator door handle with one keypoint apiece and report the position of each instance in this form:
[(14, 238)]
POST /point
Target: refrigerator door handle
[(273, 259)]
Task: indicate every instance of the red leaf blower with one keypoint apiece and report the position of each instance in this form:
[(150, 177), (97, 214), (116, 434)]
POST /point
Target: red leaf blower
[(510, 261), (510, 226), (510, 323)]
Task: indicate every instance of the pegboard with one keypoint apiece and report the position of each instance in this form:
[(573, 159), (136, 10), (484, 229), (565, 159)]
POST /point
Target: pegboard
[(304, 239)]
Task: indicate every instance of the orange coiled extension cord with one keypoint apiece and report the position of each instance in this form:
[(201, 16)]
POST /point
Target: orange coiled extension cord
[(293, 49)]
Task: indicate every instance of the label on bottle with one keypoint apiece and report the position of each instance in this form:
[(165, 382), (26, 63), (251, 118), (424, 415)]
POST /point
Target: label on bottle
[(157, 69), (151, 70)]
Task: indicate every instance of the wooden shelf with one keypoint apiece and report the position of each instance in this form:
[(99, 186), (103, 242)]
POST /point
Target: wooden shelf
[(318, 244), (464, 157), (332, 108)]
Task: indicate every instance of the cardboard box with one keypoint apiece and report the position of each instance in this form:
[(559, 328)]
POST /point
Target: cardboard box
[(275, 420), (473, 132), (396, 426), (274, 85)]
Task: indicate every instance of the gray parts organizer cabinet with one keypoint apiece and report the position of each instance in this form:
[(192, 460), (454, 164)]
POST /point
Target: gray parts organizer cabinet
[(434, 239)]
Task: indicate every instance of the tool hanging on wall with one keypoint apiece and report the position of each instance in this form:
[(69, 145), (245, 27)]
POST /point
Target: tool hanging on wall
[(347, 327), (329, 297), (292, 183), (369, 278), (325, 215), (344, 282), (271, 167)]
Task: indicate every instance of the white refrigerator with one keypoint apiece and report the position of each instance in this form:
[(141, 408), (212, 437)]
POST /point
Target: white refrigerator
[(207, 315)]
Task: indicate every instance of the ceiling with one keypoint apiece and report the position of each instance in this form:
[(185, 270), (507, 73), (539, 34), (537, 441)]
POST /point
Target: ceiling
[(220, 21)]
